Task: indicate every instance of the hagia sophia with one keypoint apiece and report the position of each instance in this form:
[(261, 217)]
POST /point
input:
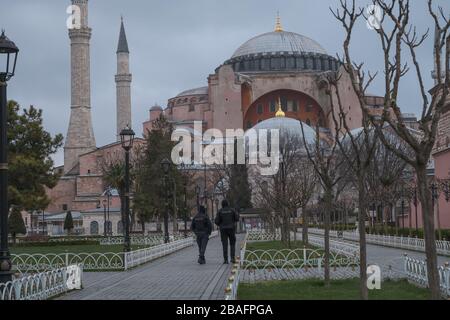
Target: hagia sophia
[(277, 69)]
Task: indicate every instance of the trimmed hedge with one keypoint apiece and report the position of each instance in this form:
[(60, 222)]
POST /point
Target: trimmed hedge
[(336, 227), (405, 232), (55, 244)]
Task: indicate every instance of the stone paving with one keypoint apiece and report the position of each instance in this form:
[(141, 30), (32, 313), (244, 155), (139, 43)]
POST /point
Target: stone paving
[(174, 277)]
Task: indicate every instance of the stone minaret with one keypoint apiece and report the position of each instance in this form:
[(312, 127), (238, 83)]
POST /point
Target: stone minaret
[(123, 83), (80, 135)]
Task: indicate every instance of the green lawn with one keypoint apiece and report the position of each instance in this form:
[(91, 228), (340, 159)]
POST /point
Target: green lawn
[(339, 290), (71, 249)]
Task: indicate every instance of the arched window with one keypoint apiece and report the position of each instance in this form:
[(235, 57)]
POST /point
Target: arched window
[(94, 227)]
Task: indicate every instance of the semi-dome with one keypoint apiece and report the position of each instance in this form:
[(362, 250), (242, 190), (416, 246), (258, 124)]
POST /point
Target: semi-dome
[(288, 127), (279, 42), (194, 92)]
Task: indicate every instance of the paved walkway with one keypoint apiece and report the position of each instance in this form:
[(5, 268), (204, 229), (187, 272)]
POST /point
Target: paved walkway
[(174, 277)]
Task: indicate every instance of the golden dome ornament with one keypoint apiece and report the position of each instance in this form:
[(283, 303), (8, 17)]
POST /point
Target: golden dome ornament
[(280, 113)]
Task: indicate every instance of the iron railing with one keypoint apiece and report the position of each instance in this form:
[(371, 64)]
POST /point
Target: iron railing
[(43, 286)]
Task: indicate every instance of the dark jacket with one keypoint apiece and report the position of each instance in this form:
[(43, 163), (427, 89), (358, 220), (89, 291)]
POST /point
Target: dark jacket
[(227, 218), (201, 224)]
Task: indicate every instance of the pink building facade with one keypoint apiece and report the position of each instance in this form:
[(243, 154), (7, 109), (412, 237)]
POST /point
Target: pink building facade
[(441, 177)]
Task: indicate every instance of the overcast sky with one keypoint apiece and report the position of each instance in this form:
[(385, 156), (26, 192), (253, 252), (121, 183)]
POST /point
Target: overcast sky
[(174, 45)]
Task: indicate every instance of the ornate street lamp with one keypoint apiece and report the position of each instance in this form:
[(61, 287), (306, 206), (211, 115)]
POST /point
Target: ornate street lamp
[(8, 59), (127, 139), (106, 203), (185, 206), (165, 166), (105, 222)]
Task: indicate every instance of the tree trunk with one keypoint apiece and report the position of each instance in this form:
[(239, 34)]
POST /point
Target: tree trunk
[(364, 294), (143, 226), (327, 212), (305, 226), (429, 232)]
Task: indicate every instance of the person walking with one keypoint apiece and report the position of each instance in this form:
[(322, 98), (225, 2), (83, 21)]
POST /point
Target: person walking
[(226, 220), (202, 227)]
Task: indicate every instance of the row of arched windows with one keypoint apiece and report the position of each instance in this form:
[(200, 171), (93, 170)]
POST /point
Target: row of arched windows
[(94, 227)]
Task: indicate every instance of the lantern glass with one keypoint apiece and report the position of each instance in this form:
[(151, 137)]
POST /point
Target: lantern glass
[(8, 57), (127, 138)]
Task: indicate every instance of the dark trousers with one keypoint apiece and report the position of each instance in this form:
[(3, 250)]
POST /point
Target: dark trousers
[(202, 242), (225, 235)]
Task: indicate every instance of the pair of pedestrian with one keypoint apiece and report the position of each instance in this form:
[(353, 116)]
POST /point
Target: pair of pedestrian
[(226, 220)]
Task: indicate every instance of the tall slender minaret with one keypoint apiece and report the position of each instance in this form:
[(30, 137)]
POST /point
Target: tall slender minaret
[(123, 83), (80, 135)]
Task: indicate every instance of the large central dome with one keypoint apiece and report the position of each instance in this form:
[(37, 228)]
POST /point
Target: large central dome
[(281, 51), (279, 42)]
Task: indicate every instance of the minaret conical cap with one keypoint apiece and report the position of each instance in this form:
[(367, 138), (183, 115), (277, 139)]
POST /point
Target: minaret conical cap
[(123, 43)]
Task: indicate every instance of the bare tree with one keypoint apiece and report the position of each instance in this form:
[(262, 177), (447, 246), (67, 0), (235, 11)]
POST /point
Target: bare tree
[(290, 189), (326, 162), (396, 32)]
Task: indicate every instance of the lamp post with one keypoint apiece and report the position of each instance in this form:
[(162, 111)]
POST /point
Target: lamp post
[(108, 194), (185, 206), (106, 204), (8, 54), (165, 166), (185, 183), (105, 222), (43, 222), (127, 139)]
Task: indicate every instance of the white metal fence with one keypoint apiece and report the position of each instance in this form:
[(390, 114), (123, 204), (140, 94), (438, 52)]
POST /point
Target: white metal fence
[(43, 286), (416, 271), (95, 261), (260, 265), (150, 240), (138, 257), (407, 243)]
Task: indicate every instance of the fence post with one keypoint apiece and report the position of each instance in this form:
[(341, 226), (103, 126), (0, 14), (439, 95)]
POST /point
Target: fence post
[(304, 255), (125, 262), (67, 258), (447, 278), (405, 263)]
